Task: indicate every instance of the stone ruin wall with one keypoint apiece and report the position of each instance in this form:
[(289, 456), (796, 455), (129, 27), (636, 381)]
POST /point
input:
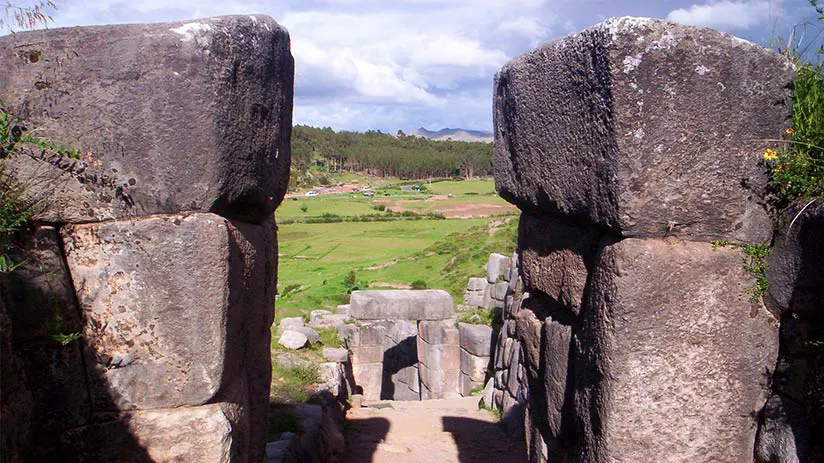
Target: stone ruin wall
[(630, 147), (163, 257), (505, 384)]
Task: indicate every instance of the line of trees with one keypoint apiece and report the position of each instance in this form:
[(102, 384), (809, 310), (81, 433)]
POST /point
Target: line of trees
[(378, 153)]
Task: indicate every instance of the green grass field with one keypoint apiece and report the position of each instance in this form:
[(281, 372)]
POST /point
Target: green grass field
[(315, 258)]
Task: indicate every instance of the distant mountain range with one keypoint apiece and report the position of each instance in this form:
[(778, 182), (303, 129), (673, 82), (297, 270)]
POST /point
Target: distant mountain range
[(454, 134)]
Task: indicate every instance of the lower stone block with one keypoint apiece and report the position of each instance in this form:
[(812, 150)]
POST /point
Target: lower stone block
[(193, 434), (672, 325)]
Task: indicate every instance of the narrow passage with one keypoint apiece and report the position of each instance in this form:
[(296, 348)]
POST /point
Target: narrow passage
[(441, 431)]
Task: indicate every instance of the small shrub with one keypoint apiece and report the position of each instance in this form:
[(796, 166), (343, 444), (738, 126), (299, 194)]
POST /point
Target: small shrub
[(419, 284), (350, 280)]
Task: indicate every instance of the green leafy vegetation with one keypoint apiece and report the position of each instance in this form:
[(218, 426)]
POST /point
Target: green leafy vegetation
[(419, 284), (478, 316), (385, 155), (755, 262), (798, 166), (292, 383)]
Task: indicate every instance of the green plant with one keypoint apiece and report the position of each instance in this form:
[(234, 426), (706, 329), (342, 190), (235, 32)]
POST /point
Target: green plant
[(66, 338), (304, 208), (477, 390), (477, 316), (797, 167), (291, 383), (419, 284), (350, 281), (494, 411), (755, 262)]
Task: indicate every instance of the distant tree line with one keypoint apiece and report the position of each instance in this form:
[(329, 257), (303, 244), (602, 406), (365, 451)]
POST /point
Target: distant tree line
[(378, 153)]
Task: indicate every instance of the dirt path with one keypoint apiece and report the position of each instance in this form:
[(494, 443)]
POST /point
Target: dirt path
[(438, 431)]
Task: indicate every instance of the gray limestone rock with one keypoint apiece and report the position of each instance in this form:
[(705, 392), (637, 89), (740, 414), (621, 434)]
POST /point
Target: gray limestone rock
[(292, 339), (336, 354), (205, 433), (154, 339), (588, 126), (669, 324), (427, 304), (312, 336), (316, 316), (476, 339), (187, 116), (794, 266), (497, 267), (476, 284), (289, 323), (556, 258)]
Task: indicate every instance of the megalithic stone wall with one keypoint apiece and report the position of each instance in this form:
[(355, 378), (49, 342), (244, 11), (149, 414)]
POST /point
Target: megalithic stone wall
[(162, 257), (630, 147)]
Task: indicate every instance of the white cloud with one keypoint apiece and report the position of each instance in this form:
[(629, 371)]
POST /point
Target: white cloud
[(725, 14), (393, 64)]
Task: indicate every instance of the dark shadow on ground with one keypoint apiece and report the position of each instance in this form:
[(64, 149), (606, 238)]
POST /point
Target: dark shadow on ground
[(362, 442), (472, 438)]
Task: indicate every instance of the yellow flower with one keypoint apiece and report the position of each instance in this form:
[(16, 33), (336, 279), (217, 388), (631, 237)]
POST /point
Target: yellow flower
[(770, 154), (789, 131)]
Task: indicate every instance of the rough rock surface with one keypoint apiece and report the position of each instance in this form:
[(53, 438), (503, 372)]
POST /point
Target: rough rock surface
[(385, 360), (426, 304), (201, 434), (476, 339), (148, 346), (708, 372), (292, 339), (655, 143), (638, 340), (439, 358), (189, 116)]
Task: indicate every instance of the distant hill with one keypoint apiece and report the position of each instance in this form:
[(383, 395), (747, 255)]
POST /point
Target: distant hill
[(454, 134)]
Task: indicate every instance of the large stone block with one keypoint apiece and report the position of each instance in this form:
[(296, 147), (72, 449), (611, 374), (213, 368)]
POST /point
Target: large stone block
[(588, 126), (555, 356), (155, 339), (556, 258), (368, 379), (497, 267), (196, 434), (671, 355), (439, 384), (189, 116), (439, 332), (474, 366), (427, 304), (476, 339)]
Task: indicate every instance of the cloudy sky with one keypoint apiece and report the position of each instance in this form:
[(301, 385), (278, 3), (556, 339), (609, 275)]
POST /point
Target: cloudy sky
[(402, 64)]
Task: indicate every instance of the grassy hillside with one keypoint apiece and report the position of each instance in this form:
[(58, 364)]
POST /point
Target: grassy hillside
[(316, 258)]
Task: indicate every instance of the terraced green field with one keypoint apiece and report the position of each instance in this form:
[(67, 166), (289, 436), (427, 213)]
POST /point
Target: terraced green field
[(315, 258)]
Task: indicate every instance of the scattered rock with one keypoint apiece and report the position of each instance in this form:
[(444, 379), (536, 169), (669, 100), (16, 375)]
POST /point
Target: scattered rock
[(293, 340), (312, 336), (336, 354), (316, 316), (290, 323)]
